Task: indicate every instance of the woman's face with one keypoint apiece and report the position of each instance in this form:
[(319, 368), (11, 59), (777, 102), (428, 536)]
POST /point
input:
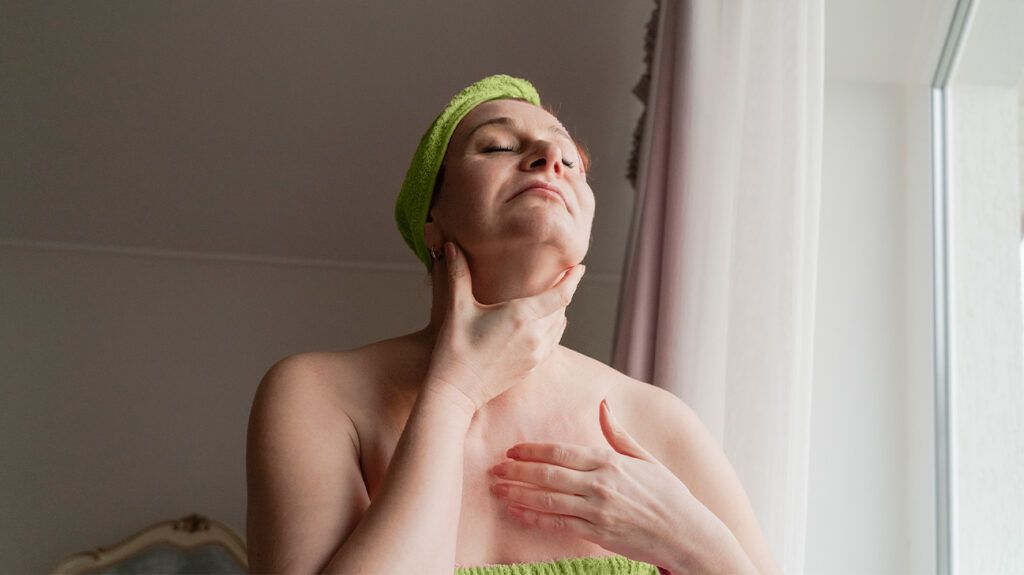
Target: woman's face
[(497, 151)]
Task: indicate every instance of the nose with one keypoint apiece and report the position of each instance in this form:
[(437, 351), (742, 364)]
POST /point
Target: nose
[(546, 156)]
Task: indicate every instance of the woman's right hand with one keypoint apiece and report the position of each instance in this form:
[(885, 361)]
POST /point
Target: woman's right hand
[(483, 350)]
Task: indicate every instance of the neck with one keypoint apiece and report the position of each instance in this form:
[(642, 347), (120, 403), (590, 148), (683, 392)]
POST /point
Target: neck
[(496, 280)]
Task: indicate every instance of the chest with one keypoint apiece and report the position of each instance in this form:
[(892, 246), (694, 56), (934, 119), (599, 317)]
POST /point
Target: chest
[(487, 534)]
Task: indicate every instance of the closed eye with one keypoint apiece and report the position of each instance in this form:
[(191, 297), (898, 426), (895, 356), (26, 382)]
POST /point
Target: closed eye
[(568, 163)]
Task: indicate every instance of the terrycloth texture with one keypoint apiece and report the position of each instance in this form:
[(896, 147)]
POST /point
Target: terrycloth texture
[(414, 200), (614, 565)]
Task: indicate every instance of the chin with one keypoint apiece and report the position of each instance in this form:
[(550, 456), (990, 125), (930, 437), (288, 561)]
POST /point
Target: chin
[(567, 253), (544, 228), (558, 233)]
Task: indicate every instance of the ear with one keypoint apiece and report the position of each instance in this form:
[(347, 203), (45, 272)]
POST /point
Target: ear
[(432, 233)]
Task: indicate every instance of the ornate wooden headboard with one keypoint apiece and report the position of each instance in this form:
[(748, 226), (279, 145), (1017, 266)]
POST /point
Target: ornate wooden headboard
[(192, 544)]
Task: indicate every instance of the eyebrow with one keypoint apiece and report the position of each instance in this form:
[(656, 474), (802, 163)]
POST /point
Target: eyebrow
[(506, 121)]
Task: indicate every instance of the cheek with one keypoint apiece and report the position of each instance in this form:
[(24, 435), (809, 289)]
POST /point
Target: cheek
[(478, 180), (462, 210), (465, 211), (588, 203)]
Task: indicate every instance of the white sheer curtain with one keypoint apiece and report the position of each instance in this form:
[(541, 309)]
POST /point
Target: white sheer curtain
[(718, 297)]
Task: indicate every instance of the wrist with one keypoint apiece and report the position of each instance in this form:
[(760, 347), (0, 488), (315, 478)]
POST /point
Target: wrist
[(705, 545), (450, 395), (717, 552)]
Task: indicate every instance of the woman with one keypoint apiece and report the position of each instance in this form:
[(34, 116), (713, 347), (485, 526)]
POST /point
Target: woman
[(483, 445)]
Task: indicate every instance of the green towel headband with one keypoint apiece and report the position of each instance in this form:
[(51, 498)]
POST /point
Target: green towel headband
[(413, 202)]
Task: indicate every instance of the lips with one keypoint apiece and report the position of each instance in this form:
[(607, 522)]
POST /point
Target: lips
[(543, 186)]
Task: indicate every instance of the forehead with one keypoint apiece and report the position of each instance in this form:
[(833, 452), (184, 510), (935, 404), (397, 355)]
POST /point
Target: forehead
[(524, 113)]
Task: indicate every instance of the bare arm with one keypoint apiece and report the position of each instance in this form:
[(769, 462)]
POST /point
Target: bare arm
[(308, 509)]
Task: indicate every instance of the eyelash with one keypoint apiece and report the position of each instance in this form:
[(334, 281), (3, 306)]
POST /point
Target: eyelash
[(568, 163)]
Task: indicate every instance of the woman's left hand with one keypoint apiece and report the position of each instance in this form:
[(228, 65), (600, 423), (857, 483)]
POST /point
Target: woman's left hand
[(623, 498)]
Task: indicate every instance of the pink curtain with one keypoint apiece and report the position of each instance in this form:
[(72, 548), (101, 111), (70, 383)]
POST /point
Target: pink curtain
[(717, 302)]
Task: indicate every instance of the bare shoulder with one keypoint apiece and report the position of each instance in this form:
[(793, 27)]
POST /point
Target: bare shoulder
[(667, 427), (306, 368), (302, 377), (345, 390), (318, 367), (657, 418), (314, 381), (670, 430), (660, 421), (336, 395), (321, 394)]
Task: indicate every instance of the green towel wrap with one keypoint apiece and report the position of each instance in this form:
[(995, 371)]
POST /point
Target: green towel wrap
[(614, 565), (414, 199)]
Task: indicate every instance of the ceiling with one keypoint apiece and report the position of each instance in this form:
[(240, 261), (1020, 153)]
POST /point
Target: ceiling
[(267, 129)]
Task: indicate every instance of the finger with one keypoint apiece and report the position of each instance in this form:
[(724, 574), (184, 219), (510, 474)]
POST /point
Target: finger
[(460, 285), (558, 296), (617, 436), (578, 457), (543, 500), (545, 475), (556, 523)]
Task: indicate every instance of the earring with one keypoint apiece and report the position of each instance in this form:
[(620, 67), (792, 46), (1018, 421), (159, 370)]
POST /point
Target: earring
[(434, 254)]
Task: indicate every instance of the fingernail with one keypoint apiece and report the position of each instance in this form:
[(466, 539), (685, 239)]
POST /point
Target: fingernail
[(512, 453), (449, 251)]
